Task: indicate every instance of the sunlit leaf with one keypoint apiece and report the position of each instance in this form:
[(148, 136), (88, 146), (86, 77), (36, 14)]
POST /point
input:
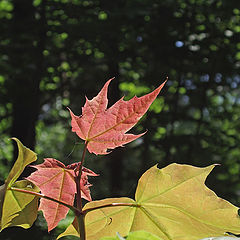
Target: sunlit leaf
[(173, 203), (25, 157), (138, 235), (18, 209), (221, 238), (56, 180), (104, 128), (101, 223)]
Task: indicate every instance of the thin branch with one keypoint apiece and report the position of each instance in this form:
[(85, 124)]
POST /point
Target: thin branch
[(79, 213), (82, 160), (78, 173)]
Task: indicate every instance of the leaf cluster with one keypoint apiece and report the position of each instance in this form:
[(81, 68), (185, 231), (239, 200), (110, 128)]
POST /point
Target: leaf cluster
[(172, 203)]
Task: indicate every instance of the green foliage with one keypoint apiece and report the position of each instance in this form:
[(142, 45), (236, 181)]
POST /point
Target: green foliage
[(138, 235), (17, 208), (161, 196), (61, 49), (5, 151), (25, 157), (220, 238), (160, 208), (160, 200)]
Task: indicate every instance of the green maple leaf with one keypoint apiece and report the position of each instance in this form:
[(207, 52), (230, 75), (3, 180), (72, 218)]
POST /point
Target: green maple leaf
[(19, 209), (16, 208), (172, 203)]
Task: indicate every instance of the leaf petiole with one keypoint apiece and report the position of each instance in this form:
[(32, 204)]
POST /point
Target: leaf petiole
[(110, 205), (74, 209)]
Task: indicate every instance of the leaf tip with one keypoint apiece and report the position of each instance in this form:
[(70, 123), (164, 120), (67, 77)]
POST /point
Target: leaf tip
[(108, 82), (15, 139), (162, 85), (111, 79)]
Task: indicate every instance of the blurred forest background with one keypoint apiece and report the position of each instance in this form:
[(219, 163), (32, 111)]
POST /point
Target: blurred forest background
[(54, 53)]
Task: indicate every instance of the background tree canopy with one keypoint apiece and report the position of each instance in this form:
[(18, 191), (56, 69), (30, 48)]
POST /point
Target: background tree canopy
[(53, 53)]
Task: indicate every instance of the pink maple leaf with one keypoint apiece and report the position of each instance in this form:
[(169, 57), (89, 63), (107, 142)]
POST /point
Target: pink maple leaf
[(57, 181), (105, 128)]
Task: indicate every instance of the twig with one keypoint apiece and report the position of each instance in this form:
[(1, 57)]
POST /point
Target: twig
[(79, 214)]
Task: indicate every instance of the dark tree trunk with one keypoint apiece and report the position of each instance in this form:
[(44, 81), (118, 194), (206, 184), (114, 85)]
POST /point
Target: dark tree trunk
[(116, 157), (111, 49), (25, 57)]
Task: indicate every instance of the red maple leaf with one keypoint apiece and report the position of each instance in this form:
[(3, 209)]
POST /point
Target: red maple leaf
[(57, 181), (104, 128)]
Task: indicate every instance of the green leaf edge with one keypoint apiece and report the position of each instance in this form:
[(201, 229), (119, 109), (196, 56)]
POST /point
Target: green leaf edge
[(15, 172)]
